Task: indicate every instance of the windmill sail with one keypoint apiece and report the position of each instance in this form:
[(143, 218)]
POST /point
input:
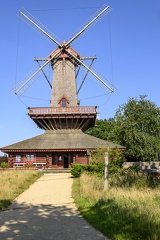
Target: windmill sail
[(64, 55), (39, 27)]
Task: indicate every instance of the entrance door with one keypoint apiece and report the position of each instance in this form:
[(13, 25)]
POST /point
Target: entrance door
[(61, 160), (54, 159), (66, 160)]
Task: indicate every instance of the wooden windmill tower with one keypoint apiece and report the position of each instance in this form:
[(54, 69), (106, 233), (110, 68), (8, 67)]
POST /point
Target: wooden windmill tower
[(64, 121)]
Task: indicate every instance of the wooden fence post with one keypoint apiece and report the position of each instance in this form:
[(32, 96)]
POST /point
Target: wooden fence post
[(106, 171)]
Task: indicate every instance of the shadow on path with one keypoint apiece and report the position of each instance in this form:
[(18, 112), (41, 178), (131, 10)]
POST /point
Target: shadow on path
[(29, 219)]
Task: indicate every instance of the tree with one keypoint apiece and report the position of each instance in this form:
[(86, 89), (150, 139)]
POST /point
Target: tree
[(103, 129), (136, 125), (138, 128), (3, 158)]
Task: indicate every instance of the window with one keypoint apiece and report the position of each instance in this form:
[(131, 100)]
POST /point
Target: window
[(18, 158), (64, 103), (30, 157)]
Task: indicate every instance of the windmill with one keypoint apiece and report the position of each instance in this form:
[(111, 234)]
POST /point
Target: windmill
[(64, 111), (65, 121)]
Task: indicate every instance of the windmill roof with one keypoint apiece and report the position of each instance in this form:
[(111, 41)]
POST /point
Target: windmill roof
[(64, 54), (60, 140)]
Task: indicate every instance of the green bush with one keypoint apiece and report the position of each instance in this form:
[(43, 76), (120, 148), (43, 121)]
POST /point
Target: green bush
[(4, 165), (116, 159), (94, 167), (115, 165), (77, 169)]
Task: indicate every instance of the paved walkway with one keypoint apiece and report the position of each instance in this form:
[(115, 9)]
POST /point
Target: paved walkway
[(46, 211)]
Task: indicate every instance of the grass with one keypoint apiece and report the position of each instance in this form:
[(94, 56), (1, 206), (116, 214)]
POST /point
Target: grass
[(14, 183), (119, 213)]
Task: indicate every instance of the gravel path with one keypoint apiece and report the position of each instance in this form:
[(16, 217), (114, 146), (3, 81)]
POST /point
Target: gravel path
[(46, 211)]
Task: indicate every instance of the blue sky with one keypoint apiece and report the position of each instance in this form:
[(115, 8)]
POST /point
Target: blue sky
[(126, 42)]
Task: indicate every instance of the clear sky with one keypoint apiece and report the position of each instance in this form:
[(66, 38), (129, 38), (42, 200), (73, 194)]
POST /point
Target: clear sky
[(126, 42)]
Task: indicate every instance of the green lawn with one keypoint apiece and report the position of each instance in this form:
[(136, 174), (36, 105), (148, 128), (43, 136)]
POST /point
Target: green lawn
[(119, 213)]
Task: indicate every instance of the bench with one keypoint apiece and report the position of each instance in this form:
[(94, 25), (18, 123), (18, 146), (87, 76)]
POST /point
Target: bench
[(42, 165), (19, 164)]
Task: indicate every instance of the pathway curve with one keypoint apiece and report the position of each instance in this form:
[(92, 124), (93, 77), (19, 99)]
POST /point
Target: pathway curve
[(46, 211)]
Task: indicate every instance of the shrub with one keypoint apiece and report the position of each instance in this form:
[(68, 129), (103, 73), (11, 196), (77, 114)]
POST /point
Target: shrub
[(97, 155), (94, 167), (4, 165), (116, 159), (77, 169)]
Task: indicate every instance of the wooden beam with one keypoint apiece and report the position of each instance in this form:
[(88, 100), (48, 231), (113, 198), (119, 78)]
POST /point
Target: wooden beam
[(51, 124), (66, 123), (60, 123), (76, 123), (85, 123), (55, 122), (44, 121), (41, 124), (82, 120)]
